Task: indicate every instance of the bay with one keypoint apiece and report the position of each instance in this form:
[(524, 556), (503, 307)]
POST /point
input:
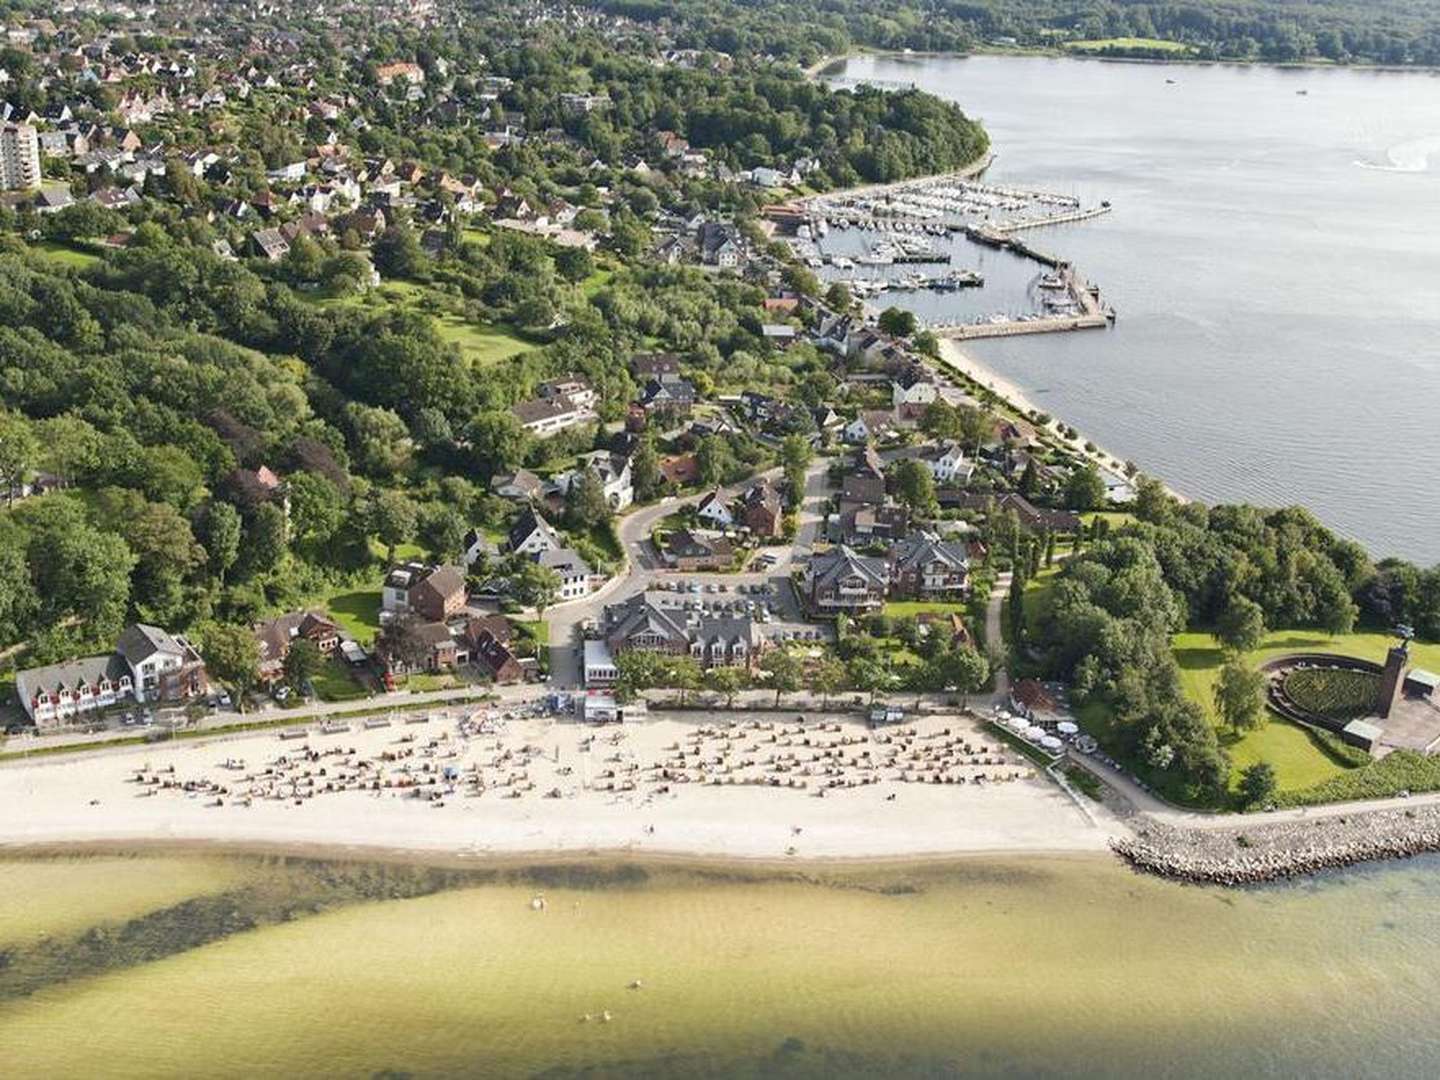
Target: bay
[(1274, 258), (1038, 966)]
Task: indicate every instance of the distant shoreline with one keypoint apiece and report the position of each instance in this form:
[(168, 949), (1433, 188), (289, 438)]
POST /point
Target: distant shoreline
[(816, 69)]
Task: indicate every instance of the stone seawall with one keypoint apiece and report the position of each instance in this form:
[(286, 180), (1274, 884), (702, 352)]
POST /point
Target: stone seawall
[(1245, 856)]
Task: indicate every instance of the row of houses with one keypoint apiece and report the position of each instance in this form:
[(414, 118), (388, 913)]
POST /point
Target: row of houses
[(649, 622), (920, 566), (148, 666)]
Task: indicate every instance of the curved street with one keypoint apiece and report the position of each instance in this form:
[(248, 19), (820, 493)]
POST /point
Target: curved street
[(642, 569)]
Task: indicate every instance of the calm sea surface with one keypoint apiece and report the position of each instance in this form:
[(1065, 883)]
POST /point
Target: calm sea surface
[(1275, 262), (168, 967)]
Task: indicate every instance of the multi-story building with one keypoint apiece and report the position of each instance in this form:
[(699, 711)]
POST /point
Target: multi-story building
[(839, 581), (148, 665), (19, 157)]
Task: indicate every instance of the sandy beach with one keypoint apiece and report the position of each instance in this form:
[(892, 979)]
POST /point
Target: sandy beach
[(680, 784), (953, 355)]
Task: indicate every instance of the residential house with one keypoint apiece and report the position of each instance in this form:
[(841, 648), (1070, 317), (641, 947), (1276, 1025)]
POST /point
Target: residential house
[(923, 567), (714, 508), (275, 637), (270, 244), (543, 417), (1031, 516), (432, 592), (645, 622), (762, 511), (522, 485), (477, 546), (531, 534), (574, 387), (163, 666), (573, 571), (720, 245), (667, 398), (613, 471), (913, 386), (688, 550), (57, 693), (839, 581)]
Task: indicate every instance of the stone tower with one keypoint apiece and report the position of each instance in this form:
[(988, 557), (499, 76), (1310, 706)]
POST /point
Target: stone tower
[(1392, 678)]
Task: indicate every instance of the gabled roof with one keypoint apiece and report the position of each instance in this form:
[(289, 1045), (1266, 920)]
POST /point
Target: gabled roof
[(842, 562), (139, 641), (527, 524)]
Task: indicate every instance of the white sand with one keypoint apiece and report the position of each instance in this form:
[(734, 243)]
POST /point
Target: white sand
[(49, 801)]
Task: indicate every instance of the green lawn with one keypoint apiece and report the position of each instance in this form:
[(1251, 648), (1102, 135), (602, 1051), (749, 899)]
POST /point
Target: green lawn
[(1157, 44), (66, 254), (402, 551), (424, 683), (334, 683), (1298, 761), (596, 281), (900, 608), (358, 613), (537, 629), (481, 345)]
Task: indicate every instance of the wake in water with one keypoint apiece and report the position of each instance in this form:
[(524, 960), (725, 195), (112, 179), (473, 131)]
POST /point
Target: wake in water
[(1407, 157)]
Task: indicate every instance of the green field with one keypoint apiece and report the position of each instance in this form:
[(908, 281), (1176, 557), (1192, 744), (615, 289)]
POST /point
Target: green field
[(333, 683), (358, 613), (481, 345), (1129, 43), (898, 609), (66, 254), (1298, 760)]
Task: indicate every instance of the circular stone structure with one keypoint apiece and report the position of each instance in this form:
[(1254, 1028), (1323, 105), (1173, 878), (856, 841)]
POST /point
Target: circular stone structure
[(1296, 687)]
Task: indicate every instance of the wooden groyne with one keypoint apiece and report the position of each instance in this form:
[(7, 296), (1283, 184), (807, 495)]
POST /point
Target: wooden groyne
[(1276, 852)]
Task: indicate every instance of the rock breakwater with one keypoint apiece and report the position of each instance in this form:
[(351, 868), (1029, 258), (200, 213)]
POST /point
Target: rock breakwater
[(1272, 852)]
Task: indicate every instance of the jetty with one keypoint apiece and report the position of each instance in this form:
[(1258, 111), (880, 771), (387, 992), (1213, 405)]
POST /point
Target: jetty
[(1087, 312), (1249, 854)]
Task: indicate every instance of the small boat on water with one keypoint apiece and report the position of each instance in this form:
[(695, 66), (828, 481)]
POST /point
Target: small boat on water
[(1051, 281), (1302, 93)]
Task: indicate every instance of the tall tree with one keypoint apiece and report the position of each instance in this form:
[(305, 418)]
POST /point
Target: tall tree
[(302, 663), (914, 485), (1239, 695), (393, 517), (782, 669), (232, 656), (223, 531), (826, 677), (18, 451), (1241, 627), (725, 681)]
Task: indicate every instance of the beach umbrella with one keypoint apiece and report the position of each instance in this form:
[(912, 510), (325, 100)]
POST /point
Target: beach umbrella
[(1035, 732), (1050, 742), (1067, 727)]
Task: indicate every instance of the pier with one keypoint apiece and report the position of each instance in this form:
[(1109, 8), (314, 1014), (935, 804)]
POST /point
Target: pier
[(1091, 316), (1055, 219)]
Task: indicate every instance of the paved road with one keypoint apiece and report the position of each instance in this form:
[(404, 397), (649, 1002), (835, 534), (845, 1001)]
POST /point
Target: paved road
[(994, 638), (642, 569)]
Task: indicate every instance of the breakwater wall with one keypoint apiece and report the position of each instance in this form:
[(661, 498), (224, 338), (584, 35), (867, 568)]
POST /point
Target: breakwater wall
[(1279, 851)]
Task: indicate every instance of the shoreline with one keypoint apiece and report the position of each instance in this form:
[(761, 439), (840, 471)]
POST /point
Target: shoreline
[(954, 357), (673, 787), (145, 847), (816, 69)]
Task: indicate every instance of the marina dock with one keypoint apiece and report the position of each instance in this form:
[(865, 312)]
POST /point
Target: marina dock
[(1092, 314)]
